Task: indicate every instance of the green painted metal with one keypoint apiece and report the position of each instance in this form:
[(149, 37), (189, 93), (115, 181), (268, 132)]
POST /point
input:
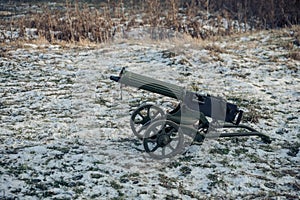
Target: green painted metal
[(192, 108), (152, 85)]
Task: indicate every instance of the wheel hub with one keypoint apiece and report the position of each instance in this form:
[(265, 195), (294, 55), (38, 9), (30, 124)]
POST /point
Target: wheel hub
[(163, 140)]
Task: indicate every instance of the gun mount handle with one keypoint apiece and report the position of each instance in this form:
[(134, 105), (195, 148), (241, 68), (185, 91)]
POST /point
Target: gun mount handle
[(115, 78)]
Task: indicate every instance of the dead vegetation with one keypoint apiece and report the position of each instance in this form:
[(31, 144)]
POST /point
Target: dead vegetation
[(101, 21)]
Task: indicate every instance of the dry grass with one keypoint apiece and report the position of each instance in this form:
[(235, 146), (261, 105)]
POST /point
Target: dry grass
[(82, 23)]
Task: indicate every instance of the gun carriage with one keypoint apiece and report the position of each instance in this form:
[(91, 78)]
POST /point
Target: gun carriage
[(196, 117)]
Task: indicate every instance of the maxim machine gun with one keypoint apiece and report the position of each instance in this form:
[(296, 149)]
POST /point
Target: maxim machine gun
[(195, 118)]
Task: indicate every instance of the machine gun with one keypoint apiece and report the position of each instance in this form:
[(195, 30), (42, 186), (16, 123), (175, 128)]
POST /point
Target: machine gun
[(164, 133)]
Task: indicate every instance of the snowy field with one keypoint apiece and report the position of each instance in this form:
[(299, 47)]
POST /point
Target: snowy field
[(65, 134)]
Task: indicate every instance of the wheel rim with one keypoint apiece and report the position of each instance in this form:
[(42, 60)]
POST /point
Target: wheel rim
[(142, 117), (163, 139)]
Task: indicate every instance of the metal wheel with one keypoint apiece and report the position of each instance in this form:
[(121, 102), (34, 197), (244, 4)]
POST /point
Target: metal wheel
[(163, 139), (142, 117)]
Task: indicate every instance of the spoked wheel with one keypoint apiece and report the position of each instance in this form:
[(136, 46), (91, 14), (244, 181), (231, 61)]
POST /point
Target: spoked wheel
[(142, 117), (163, 139)]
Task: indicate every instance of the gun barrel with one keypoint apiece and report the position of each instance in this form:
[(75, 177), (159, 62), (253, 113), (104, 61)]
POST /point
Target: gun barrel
[(150, 84)]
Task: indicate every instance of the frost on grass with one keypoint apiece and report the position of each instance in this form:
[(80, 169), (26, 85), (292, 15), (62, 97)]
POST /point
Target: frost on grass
[(65, 130)]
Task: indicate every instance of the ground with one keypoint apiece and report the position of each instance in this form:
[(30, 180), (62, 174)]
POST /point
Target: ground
[(65, 133)]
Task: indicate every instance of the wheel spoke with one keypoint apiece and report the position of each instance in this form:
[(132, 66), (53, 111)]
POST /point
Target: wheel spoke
[(141, 129), (151, 139), (148, 112), (155, 115), (141, 115), (170, 146), (138, 120), (163, 130), (155, 148), (163, 151), (155, 129)]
